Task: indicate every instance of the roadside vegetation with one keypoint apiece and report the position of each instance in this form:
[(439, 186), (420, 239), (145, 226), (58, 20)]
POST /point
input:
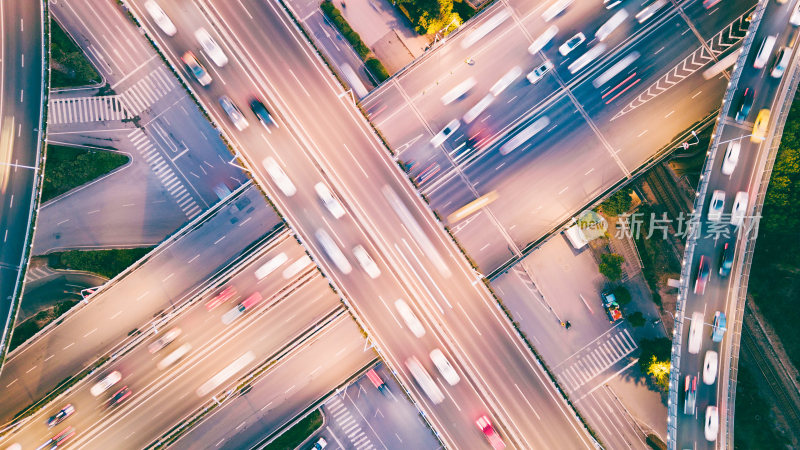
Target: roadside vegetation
[(753, 423), (618, 203), (293, 437), (655, 252), (374, 66), (24, 330), (654, 362), (432, 16), (775, 274), (69, 66), (70, 167), (611, 266), (106, 263)]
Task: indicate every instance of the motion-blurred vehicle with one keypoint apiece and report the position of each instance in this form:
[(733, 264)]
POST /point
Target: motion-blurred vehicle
[(261, 112), (780, 63), (727, 260), (280, 178), (221, 298), (611, 306), (445, 368), (538, 73), (716, 205), (333, 251), (210, 47), (794, 19), (119, 396), (703, 272), (233, 112), (108, 381), (695, 333), (712, 423), (424, 380), (709, 3), (744, 105), (60, 416), (718, 328), (689, 394), (610, 25), (505, 81), (270, 266), (174, 356), (764, 52), (649, 10), (409, 318), (331, 203), (760, 126), (543, 39), (59, 439), (160, 18), (571, 44), (459, 91), (739, 208), (731, 157), (710, 367), (164, 340), (485, 425), (241, 308), (197, 69), (448, 130), (366, 262)]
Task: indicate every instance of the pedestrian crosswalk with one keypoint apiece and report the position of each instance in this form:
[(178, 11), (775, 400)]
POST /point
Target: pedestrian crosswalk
[(359, 440), (85, 109), (164, 172), (596, 358), (37, 273), (148, 90), (131, 102)]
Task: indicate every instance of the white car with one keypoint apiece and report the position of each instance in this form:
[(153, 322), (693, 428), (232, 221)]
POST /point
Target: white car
[(447, 371), (712, 423), (539, 72), (320, 444), (731, 157), (279, 176), (211, 47), (611, 25), (160, 18), (716, 206), (196, 68), (710, 367), (236, 116), (329, 200), (795, 17), (410, 318), (570, 45), (103, 385), (164, 340), (448, 129), (366, 262), (739, 208)]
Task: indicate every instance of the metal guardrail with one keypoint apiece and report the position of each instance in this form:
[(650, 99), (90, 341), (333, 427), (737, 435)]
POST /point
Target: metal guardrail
[(686, 266)]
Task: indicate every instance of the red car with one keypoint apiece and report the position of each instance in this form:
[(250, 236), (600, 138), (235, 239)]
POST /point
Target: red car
[(485, 425), (703, 272), (221, 298), (119, 396)]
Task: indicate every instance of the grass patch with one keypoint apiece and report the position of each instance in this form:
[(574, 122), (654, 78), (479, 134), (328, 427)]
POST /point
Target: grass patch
[(775, 274), (31, 326), (106, 263), (70, 167), (69, 66), (754, 425), (292, 437)]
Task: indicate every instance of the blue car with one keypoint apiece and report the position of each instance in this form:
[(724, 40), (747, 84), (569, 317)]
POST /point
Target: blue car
[(718, 329)]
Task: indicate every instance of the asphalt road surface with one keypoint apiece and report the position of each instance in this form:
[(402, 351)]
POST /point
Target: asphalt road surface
[(21, 86), (721, 292), (319, 137), (168, 278)]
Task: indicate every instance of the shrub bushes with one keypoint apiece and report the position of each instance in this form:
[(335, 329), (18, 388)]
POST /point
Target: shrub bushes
[(376, 68), (335, 16), (106, 263)]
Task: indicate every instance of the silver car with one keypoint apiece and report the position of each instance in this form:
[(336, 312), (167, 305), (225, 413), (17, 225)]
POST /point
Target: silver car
[(233, 113)]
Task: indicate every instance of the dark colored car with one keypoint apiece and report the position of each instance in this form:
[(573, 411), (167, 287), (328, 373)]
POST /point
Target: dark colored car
[(60, 438), (744, 105), (119, 396), (727, 260), (261, 112), (703, 272), (690, 394), (60, 416), (611, 306)]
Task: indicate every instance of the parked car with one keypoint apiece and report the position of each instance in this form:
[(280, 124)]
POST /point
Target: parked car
[(611, 306)]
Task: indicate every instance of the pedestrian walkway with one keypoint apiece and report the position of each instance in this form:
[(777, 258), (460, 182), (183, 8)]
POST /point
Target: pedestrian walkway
[(161, 168), (345, 421), (594, 359), (85, 109), (37, 273), (148, 90)]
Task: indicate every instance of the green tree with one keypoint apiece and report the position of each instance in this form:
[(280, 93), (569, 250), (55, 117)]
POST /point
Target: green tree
[(636, 319), (618, 203), (654, 361), (622, 295), (611, 266)]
